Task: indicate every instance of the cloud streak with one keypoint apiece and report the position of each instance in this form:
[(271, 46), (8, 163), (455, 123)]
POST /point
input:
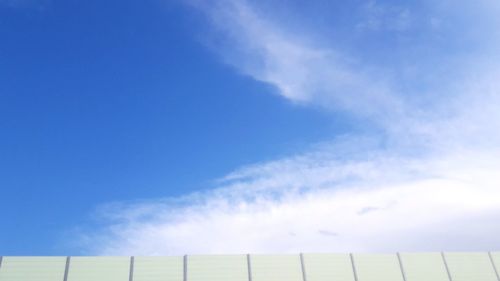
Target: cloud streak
[(427, 180), (302, 71)]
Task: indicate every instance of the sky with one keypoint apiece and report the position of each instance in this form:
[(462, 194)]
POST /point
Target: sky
[(171, 127)]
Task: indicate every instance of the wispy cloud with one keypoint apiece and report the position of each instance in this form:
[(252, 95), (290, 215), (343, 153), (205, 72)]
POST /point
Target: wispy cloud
[(443, 203), (302, 71), (428, 180)]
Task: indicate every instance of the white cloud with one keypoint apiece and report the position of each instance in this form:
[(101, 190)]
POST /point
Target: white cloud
[(297, 204), (301, 71), (430, 181)]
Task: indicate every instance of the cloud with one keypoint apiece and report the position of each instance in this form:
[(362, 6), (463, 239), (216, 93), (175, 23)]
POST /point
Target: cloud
[(438, 204), (426, 180), (302, 71)]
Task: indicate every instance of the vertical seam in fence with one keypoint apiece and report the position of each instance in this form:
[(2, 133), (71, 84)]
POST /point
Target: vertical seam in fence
[(185, 268), (303, 267), (494, 266), (353, 267), (249, 266), (446, 266), (401, 266), (131, 269), (66, 268), (1, 259)]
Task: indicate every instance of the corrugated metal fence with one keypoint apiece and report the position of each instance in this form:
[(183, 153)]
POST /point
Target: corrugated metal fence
[(303, 267)]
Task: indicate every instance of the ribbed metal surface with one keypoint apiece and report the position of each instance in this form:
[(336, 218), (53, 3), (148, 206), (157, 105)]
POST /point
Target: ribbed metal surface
[(32, 269), (319, 267), (495, 261), (158, 268), (375, 267), (423, 266), (303, 267), (470, 266), (276, 268), (217, 268), (99, 269)]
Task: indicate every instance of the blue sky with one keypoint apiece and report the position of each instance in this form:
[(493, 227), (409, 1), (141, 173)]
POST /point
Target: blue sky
[(132, 127), (102, 103)]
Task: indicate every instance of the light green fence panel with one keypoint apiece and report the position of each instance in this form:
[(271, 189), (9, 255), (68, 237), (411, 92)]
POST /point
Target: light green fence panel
[(99, 269), (424, 267), (495, 257), (217, 268), (276, 268), (328, 267), (32, 268), (158, 269), (383, 267), (470, 267)]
